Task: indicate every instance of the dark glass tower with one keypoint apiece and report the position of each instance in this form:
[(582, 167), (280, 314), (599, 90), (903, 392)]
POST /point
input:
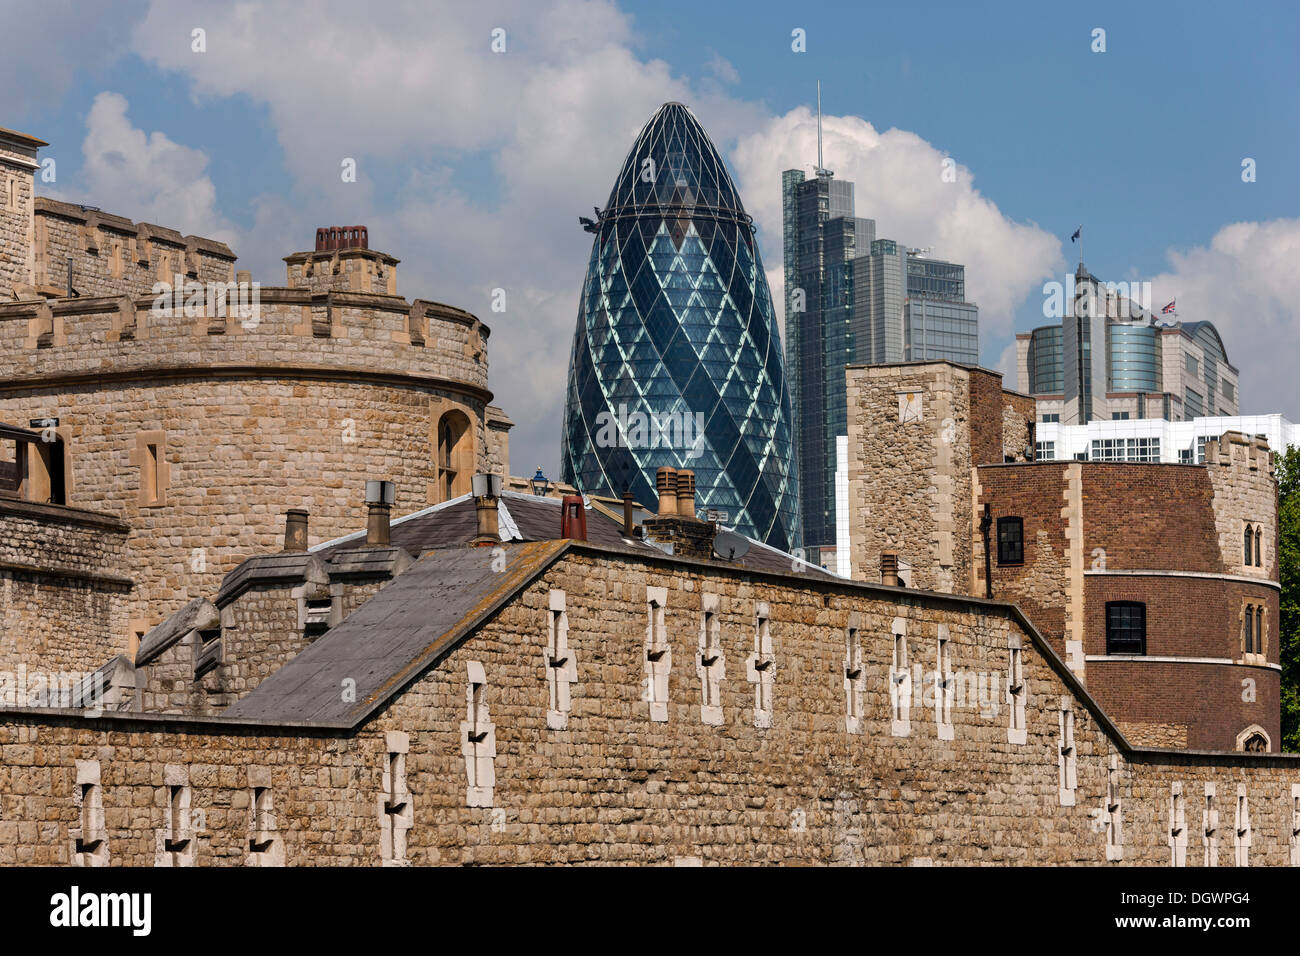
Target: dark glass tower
[(677, 335)]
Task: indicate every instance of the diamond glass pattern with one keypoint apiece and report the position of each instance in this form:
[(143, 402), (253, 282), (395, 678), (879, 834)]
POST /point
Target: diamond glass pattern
[(676, 326)]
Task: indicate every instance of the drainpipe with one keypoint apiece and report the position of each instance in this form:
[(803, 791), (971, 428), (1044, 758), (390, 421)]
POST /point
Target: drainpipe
[(986, 522)]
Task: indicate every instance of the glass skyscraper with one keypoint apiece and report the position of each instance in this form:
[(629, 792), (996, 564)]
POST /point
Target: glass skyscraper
[(1110, 358), (851, 298), (677, 356)]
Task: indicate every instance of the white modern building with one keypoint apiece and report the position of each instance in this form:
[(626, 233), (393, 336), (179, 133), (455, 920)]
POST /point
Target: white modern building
[(1155, 439)]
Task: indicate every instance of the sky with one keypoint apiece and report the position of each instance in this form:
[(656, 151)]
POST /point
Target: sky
[(473, 165)]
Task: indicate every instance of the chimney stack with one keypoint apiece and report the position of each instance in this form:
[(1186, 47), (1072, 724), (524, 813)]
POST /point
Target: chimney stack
[(889, 568), (666, 486), (379, 508), (677, 525), (686, 493), (573, 518), (295, 529)]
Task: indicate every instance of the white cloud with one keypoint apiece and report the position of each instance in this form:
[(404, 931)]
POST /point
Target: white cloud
[(145, 176), (47, 43), (1246, 283), (898, 183)]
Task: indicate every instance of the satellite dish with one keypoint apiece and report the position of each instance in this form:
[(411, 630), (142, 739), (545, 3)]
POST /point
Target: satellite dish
[(729, 546)]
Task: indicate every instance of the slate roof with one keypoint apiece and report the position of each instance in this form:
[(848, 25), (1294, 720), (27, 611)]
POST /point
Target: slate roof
[(391, 639), (524, 517)]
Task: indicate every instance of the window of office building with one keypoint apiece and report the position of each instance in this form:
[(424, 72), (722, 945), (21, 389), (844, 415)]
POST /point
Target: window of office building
[(1125, 449)]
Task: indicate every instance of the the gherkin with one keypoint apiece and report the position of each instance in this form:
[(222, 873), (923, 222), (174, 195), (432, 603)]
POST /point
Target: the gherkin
[(676, 329)]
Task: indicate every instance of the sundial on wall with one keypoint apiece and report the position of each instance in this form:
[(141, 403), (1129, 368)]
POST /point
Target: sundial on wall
[(909, 407)]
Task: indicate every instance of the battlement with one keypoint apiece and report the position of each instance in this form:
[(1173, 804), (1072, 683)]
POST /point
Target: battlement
[(1238, 450), (355, 269), (98, 253), (218, 324)]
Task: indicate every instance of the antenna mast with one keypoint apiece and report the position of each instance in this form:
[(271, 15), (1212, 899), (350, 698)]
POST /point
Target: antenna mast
[(821, 170), (819, 127)]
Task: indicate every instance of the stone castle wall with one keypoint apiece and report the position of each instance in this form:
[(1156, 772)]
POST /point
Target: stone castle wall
[(65, 588), (111, 255), (296, 407), (910, 461), (17, 160), (616, 786)]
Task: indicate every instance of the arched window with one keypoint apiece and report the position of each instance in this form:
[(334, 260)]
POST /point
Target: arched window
[(1259, 546), (1254, 739), (454, 463), (1259, 629), (1249, 537), (1248, 635)]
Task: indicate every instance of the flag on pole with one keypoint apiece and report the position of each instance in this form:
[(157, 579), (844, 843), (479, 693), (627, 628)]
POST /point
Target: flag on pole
[(1169, 308), (1077, 233)]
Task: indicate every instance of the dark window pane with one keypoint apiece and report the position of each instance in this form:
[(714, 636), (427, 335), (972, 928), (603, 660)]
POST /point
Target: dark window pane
[(1126, 627), (1011, 541)]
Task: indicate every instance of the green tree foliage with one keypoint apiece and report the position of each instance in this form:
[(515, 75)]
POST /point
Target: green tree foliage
[(1288, 476)]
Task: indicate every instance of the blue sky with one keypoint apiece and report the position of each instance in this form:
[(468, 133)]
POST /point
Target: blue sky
[(475, 166)]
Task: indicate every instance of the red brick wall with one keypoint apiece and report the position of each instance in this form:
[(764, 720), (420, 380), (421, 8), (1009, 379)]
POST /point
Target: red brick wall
[(1036, 494), (1142, 517), (1150, 516)]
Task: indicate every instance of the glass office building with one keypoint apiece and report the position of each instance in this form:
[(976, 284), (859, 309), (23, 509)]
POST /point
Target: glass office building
[(677, 357), (1121, 362), (822, 239), (851, 298)]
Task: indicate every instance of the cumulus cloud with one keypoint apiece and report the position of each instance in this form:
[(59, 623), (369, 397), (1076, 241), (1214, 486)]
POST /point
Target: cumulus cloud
[(47, 43), (898, 183), (1246, 283), (145, 176)]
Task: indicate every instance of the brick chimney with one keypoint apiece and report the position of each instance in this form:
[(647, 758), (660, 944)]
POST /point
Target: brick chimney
[(676, 528), (686, 494), (295, 529), (329, 238)]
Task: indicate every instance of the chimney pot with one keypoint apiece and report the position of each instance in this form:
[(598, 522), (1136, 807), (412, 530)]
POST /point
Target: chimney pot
[(666, 485), (573, 518), (889, 568), (486, 488), (295, 529), (378, 525), (628, 527), (686, 493)]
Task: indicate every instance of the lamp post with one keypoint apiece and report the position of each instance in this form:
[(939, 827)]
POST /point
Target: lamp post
[(540, 483)]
